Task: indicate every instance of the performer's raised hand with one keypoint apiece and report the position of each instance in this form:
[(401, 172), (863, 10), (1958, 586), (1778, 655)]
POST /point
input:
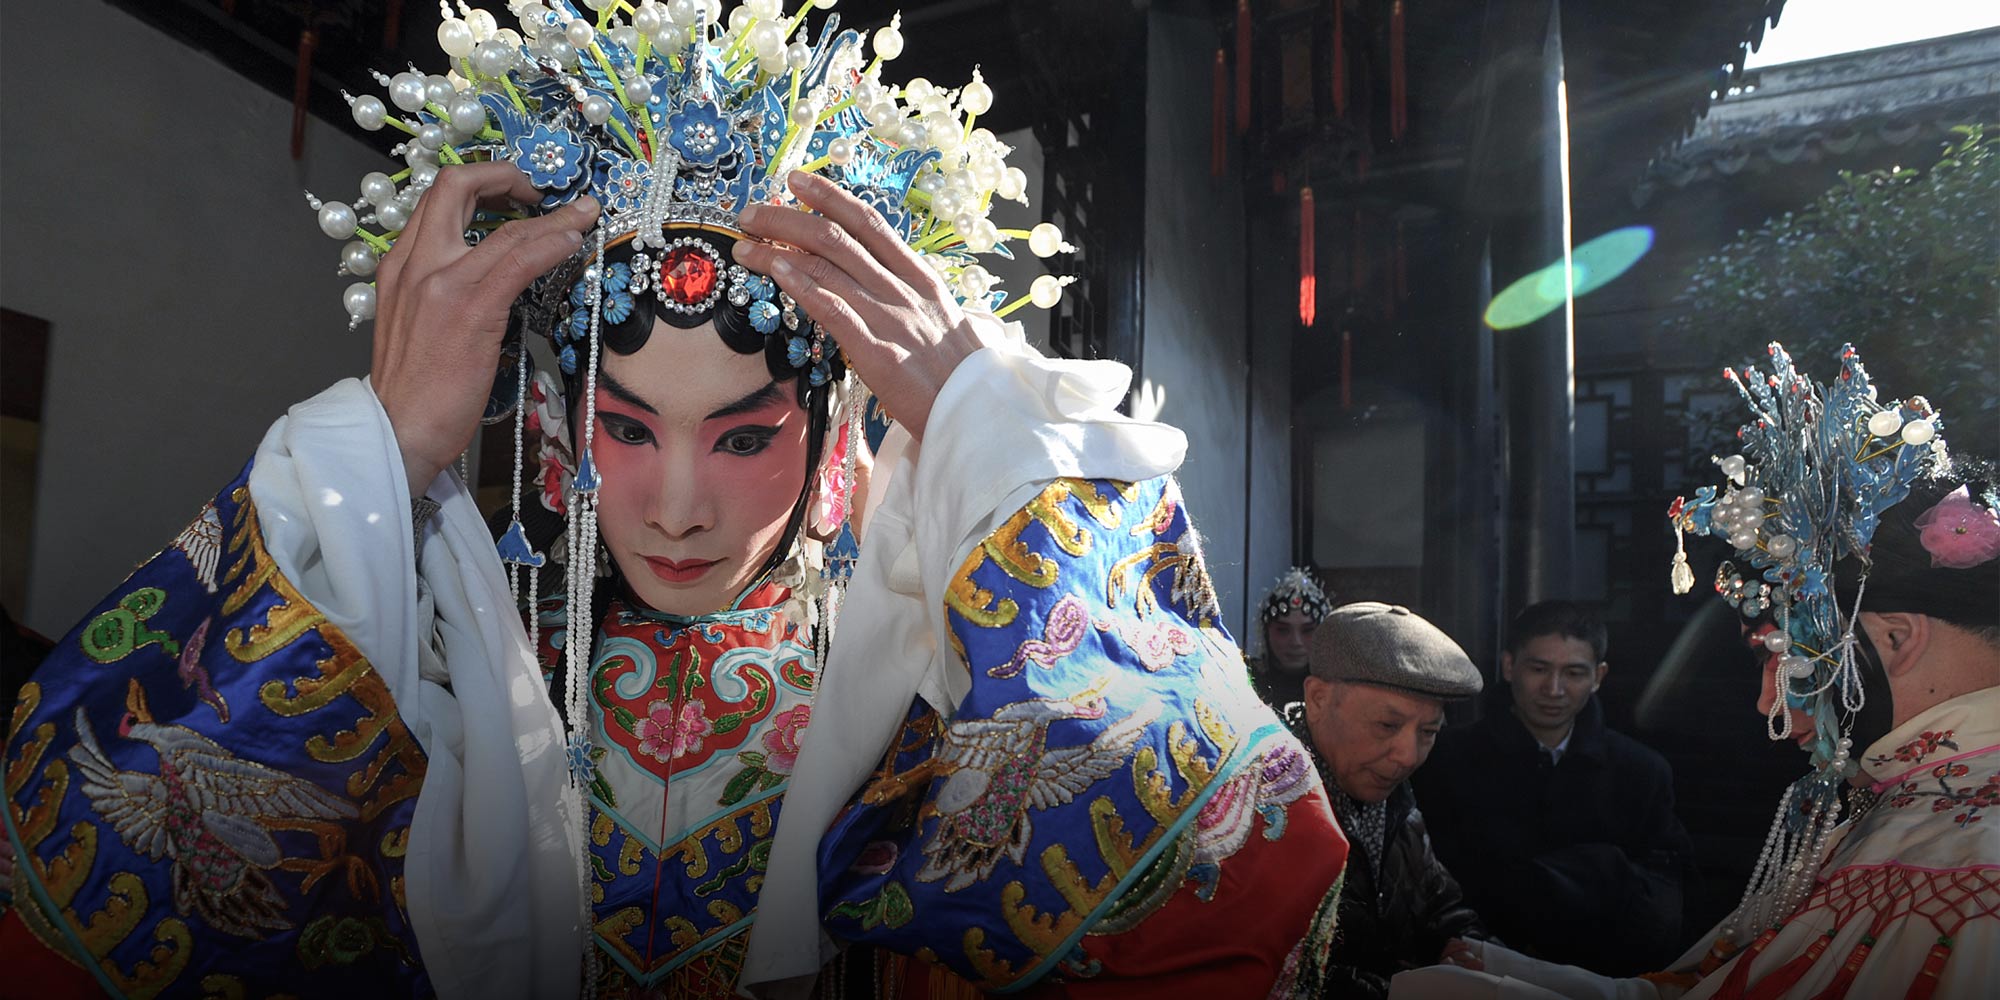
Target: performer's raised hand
[(891, 314), (443, 307)]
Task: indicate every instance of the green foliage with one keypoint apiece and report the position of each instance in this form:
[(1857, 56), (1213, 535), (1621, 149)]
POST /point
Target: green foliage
[(1904, 264)]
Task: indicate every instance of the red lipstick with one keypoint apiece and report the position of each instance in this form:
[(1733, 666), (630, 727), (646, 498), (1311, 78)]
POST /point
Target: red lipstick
[(679, 571)]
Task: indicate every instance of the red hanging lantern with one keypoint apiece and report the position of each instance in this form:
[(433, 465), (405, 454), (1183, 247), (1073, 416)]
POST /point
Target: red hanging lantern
[(1308, 268), (302, 89), (1218, 158), (1242, 66), (1339, 61), (392, 24), (1399, 113)]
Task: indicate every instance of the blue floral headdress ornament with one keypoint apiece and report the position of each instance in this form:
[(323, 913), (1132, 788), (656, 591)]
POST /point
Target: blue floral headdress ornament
[(676, 118), (1821, 463)]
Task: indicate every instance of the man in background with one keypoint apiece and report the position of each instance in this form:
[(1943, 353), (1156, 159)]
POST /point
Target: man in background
[(1561, 830), (1374, 702)]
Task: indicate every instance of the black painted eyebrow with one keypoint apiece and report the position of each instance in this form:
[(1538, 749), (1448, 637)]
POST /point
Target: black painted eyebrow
[(619, 392), (754, 401)]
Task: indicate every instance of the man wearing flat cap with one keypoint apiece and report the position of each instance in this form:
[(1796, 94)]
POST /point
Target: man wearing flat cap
[(1379, 677)]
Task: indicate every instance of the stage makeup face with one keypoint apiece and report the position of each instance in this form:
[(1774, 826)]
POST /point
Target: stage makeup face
[(702, 456), (1288, 637)]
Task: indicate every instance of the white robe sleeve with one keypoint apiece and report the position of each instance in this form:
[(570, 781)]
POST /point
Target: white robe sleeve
[(492, 886)]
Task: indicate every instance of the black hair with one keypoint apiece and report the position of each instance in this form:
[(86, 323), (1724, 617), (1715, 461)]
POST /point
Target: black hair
[(1564, 618)]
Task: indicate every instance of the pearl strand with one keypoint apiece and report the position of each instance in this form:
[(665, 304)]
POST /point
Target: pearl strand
[(1778, 724), (1787, 869), (857, 406), (582, 581), (1852, 694), (534, 613), (573, 642), (520, 450), (1774, 846)]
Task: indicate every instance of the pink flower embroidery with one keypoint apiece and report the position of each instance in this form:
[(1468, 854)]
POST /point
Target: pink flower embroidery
[(1158, 643), (781, 741), (664, 740), (1958, 533), (1919, 748), (1062, 633), (656, 731), (694, 726)]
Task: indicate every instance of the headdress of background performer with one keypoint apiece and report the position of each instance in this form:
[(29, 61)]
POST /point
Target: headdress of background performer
[(675, 118), (1808, 508), (1294, 591)]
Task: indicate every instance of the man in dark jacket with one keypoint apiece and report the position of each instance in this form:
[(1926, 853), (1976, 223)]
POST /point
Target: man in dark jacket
[(1374, 702), (1561, 830)]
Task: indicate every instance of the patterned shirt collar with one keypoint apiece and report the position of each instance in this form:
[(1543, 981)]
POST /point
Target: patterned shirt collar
[(1365, 823)]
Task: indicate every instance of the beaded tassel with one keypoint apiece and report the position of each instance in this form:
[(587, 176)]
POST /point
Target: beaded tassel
[(834, 579), (581, 588), (667, 161), (513, 545), (1788, 867)]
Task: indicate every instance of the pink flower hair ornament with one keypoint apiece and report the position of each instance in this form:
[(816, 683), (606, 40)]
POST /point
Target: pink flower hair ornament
[(1958, 533)]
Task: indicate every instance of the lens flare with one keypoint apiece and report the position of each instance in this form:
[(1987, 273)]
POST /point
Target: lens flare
[(1593, 265)]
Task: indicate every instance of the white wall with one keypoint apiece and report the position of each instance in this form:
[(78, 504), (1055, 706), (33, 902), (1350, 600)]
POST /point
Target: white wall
[(1194, 337), (149, 209)]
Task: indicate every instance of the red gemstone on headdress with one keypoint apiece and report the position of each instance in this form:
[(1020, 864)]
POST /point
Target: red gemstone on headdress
[(688, 276)]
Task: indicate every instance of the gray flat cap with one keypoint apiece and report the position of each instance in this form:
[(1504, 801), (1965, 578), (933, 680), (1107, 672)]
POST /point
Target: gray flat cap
[(1371, 643)]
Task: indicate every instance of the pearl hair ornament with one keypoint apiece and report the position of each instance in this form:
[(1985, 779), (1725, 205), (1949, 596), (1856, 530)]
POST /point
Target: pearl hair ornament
[(607, 70)]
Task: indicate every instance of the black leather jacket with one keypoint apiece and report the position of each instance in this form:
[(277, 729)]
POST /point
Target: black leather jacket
[(1402, 919)]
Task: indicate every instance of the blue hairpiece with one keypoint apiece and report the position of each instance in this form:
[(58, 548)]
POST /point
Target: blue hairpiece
[(1820, 465)]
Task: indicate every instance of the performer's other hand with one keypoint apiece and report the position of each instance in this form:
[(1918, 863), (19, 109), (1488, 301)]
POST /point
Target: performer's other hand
[(443, 307), (891, 314), (1461, 953)]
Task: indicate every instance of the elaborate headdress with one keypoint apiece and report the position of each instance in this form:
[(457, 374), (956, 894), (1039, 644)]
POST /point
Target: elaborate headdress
[(1294, 591), (1822, 463), (675, 119)]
